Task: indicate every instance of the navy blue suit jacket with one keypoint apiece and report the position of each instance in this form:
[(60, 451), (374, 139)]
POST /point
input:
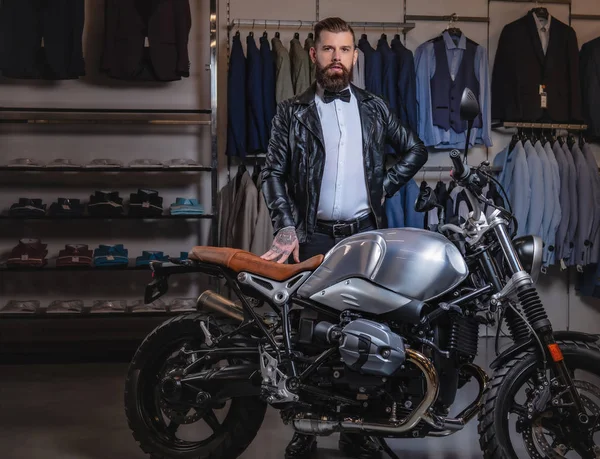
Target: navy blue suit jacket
[(373, 67), (255, 107), (236, 100), (268, 83), (407, 85)]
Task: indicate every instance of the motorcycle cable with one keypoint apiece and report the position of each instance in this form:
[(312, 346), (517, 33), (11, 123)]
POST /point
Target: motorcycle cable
[(537, 338), (506, 200)]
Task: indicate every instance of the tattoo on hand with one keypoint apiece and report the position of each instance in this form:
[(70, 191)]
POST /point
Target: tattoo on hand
[(285, 240)]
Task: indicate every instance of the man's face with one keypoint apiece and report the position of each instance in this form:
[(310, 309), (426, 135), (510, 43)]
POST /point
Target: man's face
[(334, 56)]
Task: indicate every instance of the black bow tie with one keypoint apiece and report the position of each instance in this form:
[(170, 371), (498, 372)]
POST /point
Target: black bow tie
[(330, 96)]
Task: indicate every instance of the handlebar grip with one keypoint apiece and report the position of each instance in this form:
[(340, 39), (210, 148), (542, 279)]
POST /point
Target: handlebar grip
[(459, 171)]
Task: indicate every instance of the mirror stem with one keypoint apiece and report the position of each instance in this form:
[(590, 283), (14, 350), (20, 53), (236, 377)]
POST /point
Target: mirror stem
[(469, 127)]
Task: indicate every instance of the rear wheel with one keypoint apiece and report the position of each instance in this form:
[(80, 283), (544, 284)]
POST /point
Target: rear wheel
[(525, 414), (169, 427)]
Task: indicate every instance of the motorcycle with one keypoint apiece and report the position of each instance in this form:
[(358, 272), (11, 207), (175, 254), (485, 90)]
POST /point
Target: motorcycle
[(374, 338)]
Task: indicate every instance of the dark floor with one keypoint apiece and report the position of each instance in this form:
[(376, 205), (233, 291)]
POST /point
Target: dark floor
[(76, 412)]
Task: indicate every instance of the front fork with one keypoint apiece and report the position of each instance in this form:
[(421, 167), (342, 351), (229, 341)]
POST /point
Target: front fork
[(536, 316)]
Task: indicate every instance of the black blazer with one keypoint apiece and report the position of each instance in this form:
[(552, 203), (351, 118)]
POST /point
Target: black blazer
[(23, 25), (590, 85), (521, 67), (167, 25)]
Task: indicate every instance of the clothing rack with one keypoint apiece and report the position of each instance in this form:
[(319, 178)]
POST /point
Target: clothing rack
[(585, 17), (448, 169), (452, 18), (562, 2), (568, 127), (310, 24)]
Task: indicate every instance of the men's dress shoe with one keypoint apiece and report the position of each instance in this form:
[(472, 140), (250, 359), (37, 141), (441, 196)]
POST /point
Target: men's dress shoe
[(359, 446), (301, 447)]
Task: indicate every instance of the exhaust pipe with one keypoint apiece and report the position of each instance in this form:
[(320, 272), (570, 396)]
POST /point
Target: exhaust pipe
[(349, 425), (217, 303)]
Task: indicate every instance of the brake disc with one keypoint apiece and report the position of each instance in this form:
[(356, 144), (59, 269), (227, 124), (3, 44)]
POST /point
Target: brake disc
[(535, 437)]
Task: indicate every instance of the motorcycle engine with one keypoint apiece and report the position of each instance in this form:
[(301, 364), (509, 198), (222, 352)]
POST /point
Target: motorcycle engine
[(365, 346)]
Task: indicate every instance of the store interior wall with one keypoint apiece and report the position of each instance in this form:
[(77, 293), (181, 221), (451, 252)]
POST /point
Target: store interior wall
[(566, 308), (84, 143)]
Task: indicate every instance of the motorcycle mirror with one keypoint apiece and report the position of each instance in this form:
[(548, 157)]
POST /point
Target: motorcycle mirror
[(469, 110)]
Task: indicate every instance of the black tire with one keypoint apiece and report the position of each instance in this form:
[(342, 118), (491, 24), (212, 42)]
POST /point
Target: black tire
[(494, 437), (233, 435)]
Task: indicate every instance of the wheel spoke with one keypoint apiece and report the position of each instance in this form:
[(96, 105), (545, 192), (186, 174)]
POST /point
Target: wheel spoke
[(518, 409), (172, 428), (211, 419)]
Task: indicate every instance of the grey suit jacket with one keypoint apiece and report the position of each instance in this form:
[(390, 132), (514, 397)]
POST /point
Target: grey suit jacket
[(310, 43), (595, 204), (563, 171), (283, 72), (535, 215), (569, 247), (548, 199), (557, 214), (585, 200), (358, 73), (300, 67), (514, 177), (263, 232)]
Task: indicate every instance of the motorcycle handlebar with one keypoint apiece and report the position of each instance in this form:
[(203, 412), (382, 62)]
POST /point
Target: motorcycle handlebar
[(460, 170)]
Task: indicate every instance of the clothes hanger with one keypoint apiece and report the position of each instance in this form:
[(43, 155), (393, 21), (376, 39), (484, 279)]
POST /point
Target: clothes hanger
[(297, 34), (265, 34), (278, 26), (451, 28), (251, 33), (238, 176), (256, 174), (540, 11), (311, 35), (383, 35), (364, 34), (570, 141)]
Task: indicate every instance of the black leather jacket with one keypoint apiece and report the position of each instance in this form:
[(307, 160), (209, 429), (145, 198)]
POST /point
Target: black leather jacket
[(291, 179)]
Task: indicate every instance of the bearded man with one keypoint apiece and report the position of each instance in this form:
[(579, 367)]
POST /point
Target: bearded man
[(326, 176)]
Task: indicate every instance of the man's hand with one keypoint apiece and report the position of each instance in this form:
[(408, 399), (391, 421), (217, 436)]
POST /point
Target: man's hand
[(285, 243)]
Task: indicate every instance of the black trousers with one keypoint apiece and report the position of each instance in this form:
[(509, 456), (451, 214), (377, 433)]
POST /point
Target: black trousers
[(321, 243)]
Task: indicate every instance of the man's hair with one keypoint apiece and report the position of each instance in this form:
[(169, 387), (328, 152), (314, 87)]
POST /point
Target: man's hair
[(335, 25)]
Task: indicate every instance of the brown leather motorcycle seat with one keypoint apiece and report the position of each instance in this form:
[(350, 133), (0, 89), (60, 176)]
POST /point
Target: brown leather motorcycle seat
[(241, 261)]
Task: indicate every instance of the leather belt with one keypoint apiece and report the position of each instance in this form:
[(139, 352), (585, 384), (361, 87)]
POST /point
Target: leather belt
[(340, 229)]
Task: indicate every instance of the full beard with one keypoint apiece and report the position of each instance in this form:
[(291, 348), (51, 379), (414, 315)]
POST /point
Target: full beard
[(334, 82)]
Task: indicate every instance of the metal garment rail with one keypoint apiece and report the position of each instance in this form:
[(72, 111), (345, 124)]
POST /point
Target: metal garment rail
[(568, 127), (452, 18), (562, 2), (310, 24), (448, 169), (585, 17)]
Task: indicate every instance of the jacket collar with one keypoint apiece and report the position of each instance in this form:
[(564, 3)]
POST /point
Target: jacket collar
[(535, 39)]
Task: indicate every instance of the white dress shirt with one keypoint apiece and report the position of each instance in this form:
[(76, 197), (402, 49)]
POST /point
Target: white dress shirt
[(543, 27), (344, 193)]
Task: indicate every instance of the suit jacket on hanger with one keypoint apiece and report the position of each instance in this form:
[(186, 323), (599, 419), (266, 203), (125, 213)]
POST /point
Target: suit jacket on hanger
[(521, 67), (23, 26), (283, 72), (590, 84), (236, 100), (167, 25)]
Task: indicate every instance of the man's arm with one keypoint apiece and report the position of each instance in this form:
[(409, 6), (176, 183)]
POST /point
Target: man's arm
[(273, 187), (411, 151)]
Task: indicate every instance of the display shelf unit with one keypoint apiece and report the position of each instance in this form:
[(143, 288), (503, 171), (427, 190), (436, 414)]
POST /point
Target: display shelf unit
[(110, 336), (120, 217)]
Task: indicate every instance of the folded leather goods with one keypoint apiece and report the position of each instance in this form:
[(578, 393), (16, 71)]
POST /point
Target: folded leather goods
[(183, 206), (111, 255), (65, 207), (22, 307), (183, 304), (74, 255), (145, 203), (148, 256), (108, 306), (156, 306), (105, 204), (65, 306), (29, 253), (28, 208)]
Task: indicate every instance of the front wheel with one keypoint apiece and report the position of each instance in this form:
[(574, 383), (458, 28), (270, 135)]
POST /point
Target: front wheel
[(526, 413), (178, 429)]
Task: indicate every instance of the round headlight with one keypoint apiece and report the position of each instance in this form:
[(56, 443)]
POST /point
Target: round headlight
[(529, 249)]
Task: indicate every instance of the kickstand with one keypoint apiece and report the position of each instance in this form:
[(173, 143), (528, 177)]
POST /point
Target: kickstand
[(386, 448)]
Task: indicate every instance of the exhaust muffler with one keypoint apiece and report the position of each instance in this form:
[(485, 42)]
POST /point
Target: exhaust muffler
[(217, 303)]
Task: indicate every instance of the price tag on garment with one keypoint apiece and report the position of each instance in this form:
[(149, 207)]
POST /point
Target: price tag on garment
[(75, 259), (146, 42), (543, 96), (146, 204), (24, 257), (66, 207), (110, 258), (563, 266)]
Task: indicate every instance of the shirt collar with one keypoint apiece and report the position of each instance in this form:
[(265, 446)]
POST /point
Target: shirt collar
[(320, 91), (462, 41), (539, 24)]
